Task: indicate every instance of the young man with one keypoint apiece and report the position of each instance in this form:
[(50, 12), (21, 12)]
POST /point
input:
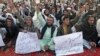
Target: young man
[(65, 27)]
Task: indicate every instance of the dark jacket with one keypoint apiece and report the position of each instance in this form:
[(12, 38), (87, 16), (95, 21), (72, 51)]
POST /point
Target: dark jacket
[(89, 31), (60, 31)]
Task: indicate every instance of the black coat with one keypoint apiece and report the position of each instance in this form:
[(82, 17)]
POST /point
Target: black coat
[(89, 33), (60, 31)]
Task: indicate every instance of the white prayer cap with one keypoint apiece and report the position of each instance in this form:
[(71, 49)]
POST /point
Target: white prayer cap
[(65, 4), (9, 14), (68, 8), (27, 17), (37, 1), (58, 3), (92, 9), (43, 11), (98, 4), (74, 4)]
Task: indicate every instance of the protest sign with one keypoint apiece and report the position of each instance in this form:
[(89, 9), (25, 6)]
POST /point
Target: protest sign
[(69, 44), (27, 43)]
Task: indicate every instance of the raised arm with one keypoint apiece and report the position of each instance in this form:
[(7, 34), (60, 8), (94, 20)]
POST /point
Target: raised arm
[(20, 18), (38, 19)]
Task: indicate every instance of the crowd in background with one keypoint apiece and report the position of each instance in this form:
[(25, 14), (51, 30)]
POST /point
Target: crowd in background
[(50, 20)]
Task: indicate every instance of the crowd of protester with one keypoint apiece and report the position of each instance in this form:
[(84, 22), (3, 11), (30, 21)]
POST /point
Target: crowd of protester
[(50, 20)]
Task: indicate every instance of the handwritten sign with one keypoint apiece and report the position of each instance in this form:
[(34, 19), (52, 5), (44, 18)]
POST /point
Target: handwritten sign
[(69, 44), (27, 43), (1, 41)]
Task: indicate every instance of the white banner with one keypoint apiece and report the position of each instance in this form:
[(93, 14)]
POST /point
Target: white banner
[(69, 44), (27, 43), (1, 41)]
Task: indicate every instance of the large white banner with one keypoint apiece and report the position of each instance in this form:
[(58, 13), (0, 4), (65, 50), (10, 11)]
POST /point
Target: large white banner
[(69, 44), (27, 43), (1, 41)]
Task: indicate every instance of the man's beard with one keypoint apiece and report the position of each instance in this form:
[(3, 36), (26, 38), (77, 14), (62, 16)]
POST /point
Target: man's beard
[(49, 25), (47, 14)]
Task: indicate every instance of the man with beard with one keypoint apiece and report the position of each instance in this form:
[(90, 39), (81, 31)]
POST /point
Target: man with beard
[(89, 32), (47, 28), (47, 33), (11, 35), (47, 13)]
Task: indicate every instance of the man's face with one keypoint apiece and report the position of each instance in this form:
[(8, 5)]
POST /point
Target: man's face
[(65, 13), (29, 22), (66, 21), (50, 21), (91, 21), (9, 23), (53, 10), (46, 12), (82, 9)]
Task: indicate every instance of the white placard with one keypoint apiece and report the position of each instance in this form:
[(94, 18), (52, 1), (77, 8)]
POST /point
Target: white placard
[(1, 41), (69, 44), (27, 43)]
